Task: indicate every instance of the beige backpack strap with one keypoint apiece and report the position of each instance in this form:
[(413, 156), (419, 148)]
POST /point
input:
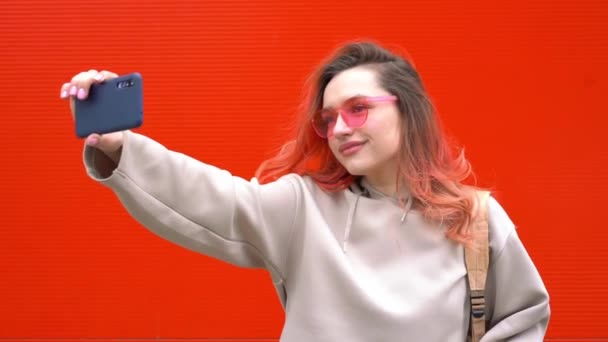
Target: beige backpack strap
[(477, 261)]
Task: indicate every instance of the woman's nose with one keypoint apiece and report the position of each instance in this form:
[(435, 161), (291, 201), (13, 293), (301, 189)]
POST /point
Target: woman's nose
[(341, 128)]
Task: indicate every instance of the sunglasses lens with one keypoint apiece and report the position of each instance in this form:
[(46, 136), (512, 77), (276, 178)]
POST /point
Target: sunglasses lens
[(354, 116), (320, 124)]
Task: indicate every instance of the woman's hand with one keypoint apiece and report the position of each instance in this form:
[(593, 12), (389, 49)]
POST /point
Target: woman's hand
[(78, 87)]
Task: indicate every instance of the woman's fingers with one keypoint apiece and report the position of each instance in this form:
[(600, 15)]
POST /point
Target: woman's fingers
[(63, 93), (80, 85), (105, 75)]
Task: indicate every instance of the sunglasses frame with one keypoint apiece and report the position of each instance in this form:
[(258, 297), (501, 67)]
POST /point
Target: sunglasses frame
[(339, 111)]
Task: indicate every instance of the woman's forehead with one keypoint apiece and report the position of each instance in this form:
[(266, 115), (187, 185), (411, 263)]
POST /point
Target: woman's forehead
[(359, 81)]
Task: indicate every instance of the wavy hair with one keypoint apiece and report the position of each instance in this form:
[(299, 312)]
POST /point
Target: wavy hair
[(433, 171)]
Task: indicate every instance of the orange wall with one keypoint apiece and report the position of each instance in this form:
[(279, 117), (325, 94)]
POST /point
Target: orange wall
[(521, 84)]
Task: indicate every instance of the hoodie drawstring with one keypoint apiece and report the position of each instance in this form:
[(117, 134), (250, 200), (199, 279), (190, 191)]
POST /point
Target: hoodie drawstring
[(349, 222), (406, 208)]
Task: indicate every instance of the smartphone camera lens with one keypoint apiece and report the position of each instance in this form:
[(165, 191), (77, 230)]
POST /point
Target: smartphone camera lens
[(124, 84)]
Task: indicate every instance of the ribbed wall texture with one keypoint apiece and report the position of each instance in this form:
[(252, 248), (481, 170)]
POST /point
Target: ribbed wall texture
[(521, 84)]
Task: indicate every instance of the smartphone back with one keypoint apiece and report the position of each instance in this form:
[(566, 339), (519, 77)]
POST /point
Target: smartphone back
[(111, 106)]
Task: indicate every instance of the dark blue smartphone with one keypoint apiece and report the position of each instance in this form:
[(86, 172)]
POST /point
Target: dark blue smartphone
[(111, 106)]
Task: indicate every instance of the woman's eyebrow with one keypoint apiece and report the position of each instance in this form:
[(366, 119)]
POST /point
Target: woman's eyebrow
[(344, 101)]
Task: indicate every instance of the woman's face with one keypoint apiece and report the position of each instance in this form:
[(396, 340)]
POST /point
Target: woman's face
[(369, 150)]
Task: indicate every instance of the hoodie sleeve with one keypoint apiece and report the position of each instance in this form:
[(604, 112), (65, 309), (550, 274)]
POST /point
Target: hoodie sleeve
[(518, 302), (198, 206)]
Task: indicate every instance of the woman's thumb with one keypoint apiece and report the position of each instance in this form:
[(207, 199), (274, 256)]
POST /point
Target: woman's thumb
[(107, 143), (93, 140)]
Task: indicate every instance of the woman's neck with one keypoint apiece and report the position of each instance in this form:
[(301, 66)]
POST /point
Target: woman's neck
[(386, 187)]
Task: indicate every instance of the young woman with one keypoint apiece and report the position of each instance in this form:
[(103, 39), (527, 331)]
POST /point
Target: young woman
[(361, 220)]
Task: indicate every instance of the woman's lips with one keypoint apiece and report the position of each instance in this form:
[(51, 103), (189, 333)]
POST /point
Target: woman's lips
[(350, 148)]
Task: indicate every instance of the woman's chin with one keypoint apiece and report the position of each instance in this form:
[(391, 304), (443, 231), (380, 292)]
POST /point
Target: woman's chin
[(355, 168)]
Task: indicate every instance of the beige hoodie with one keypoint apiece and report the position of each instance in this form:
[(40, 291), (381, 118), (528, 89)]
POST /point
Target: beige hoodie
[(347, 266)]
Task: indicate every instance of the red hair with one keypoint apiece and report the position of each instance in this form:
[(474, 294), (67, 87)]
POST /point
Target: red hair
[(433, 172)]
